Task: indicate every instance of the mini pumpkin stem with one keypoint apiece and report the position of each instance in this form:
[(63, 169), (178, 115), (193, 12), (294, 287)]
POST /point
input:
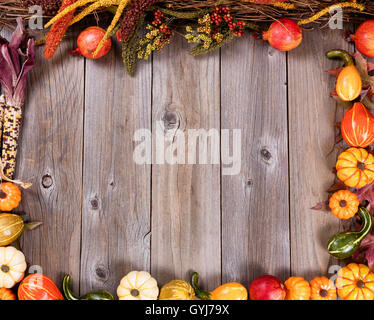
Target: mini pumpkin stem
[(32, 225)]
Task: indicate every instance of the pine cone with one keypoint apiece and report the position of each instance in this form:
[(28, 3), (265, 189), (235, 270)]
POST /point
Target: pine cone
[(50, 7), (132, 16)]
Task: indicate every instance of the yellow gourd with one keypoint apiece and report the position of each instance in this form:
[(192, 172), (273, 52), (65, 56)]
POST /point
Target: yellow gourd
[(177, 290), (138, 285), (349, 83), (12, 266)]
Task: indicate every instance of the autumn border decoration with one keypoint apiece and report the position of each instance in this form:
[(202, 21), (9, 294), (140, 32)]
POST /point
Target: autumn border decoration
[(147, 26)]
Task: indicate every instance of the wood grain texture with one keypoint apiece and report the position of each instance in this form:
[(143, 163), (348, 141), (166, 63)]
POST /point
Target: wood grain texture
[(312, 114), (186, 198), (116, 202), (255, 210), (51, 158)]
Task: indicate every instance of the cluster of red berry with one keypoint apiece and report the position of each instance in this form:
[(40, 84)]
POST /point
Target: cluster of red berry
[(223, 15), (159, 23)]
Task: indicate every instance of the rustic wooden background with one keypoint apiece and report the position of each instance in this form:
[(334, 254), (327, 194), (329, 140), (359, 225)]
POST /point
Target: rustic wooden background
[(105, 216)]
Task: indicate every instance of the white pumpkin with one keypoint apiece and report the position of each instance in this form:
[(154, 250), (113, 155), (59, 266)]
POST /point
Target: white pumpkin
[(138, 285), (12, 266)]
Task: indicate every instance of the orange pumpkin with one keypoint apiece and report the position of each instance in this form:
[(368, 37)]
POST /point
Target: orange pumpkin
[(344, 204), (322, 288), (10, 196), (358, 126), (7, 294), (355, 167), (38, 287), (297, 289), (355, 282)]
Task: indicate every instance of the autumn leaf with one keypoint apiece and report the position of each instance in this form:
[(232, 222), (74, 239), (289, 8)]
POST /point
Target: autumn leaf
[(366, 251), (321, 206)]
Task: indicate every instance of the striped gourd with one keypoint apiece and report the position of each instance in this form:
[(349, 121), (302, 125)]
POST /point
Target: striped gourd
[(38, 287), (11, 227)]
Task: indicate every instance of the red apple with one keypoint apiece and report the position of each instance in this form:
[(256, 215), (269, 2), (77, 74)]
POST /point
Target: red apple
[(267, 288)]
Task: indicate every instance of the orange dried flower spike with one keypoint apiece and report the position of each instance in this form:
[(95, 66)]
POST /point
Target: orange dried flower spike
[(344, 204), (58, 30)]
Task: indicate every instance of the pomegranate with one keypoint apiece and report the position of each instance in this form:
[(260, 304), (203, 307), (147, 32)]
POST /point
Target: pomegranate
[(284, 34), (364, 38), (88, 40), (267, 288)]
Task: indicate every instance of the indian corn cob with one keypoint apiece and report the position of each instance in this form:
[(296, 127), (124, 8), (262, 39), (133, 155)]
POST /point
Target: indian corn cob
[(17, 57)]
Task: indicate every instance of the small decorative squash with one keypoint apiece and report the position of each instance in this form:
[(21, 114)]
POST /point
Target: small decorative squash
[(12, 266), (344, 204), (355, 282), (12, 226), (10, 196), (297, 289), (138, 285), (95, 295), (358, 126), (349, 83), (177, 290), (227, 291), (322, 288), (355, 167), (38, 287), (344, 244), (7, 294)]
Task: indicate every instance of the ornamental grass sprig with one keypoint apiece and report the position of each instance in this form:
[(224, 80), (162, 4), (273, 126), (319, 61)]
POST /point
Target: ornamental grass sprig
[(129, 48), (17, 58), (132, 16)]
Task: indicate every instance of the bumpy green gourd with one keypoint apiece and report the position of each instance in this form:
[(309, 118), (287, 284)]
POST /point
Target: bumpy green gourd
[(344, 244)]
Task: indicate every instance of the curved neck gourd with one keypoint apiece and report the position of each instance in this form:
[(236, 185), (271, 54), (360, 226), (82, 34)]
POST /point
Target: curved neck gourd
[(344, 244)]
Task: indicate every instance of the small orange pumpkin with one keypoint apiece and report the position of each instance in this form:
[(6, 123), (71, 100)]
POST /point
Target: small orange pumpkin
[(344, 204), (355, 167), (355, 282), (7, 294), (322, 288), (10, 196), (297, 289)]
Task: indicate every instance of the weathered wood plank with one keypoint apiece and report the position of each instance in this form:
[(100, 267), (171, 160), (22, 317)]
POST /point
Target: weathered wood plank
[(51, 157), (186, 198), (255, 202), (312, 114), (116, 201)]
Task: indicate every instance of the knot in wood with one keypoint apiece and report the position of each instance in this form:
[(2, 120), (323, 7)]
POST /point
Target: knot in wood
[(265, 154), (47, 181), (171, 120), (94, 203), (102, 272)]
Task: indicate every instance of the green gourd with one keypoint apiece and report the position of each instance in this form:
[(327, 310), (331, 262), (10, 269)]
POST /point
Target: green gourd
[(342, 245), (97, 295)]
